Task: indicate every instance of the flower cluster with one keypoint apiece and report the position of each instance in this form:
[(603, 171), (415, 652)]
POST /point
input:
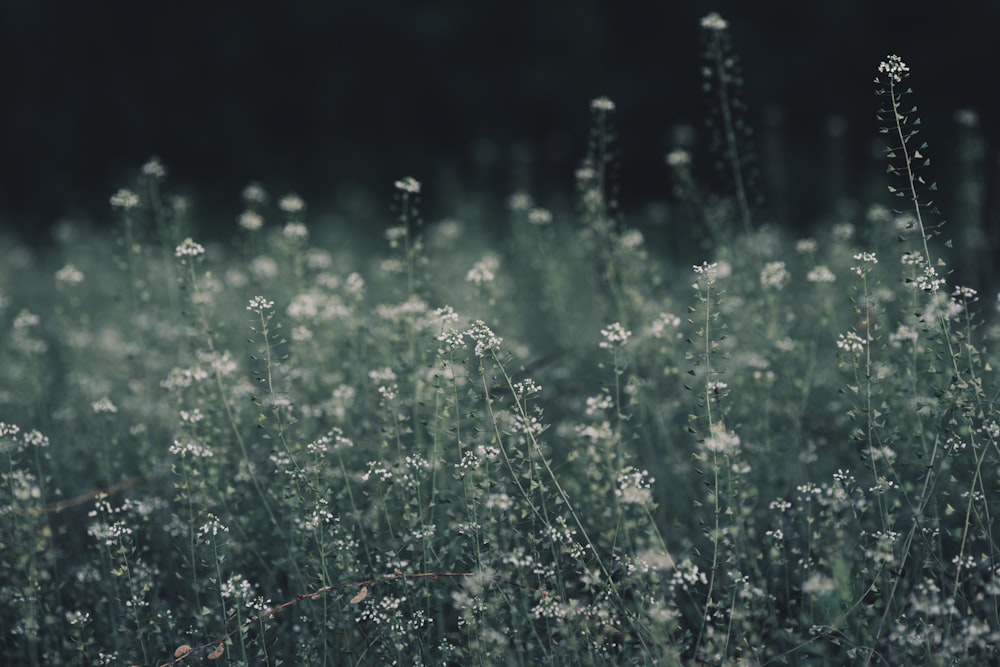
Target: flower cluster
[(774, 274), (851, 342), (125, 200), (259, 304), (189, 248), (714, 21), (614, 335), (408, 185), (484, 338), (635, 487), (867, 259), (894, 67), (292, 204), (602, 104)]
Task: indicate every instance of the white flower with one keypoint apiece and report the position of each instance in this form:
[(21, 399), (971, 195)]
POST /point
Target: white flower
[(678, 158), (774, 274), (895, 67), (104, 406), (806, 246), (409, 185), (69, 275), (259, 304), (295, 231), (864, 258), (254, 193), (851, 342), (711, 272), (602, 104), (188, 248), (483, 271), (634, 487), (291, 203), (539, 216), (615, 335), (484, 338), (125, 200), (154, 168), (714, 22), (820, 274), (724, 443), (251, 221)]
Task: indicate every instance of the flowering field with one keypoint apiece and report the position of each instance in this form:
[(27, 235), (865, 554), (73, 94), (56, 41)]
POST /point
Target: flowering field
[(558, 444)]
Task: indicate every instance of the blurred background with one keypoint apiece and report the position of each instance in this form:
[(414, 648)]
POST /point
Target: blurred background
[(335, 100)]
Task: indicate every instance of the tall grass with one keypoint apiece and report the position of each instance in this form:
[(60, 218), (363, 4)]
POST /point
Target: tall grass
[(562, 448)]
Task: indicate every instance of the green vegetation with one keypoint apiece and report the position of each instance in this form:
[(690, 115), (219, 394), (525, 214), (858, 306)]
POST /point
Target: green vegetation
[(560, 446)]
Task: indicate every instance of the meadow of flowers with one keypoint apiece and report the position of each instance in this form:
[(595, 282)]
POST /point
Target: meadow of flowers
[(558, 443)]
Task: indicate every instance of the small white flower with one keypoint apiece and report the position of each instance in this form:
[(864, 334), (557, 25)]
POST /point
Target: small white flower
[(483, 271), (864, 258), (714, 22), (539, 216), (295, 231), (602, 104), (254, 193), (292, 203), (820, 274), (154, 168), (104, 406), (774, 274), (188, 248), (930, 281), (251, 221), (259, 304), (895, 67), (710, 271), (851, 342), (69, 275), (965, 293), (724, 443), (409, 185), (615, 335), (125, 200), (484, 338), (678, 158), (806, 246)]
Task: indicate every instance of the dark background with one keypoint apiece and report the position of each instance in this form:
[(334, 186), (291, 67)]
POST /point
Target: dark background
[(331, 99)]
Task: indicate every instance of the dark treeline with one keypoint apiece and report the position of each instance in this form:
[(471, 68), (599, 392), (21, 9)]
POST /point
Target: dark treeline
[(333, 98)]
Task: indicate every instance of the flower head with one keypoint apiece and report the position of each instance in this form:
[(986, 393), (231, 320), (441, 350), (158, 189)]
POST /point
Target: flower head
[(188, 248), (895, 67), (678, 158), (408, 185), (774, 274), (602, 104), (251, 221), (292, 204), (125, 200), (154, 168), (69, 275), (254, 193), (484, 338), (295, 231), (614, 335), (539, 216), (714, 21), (259, 304)]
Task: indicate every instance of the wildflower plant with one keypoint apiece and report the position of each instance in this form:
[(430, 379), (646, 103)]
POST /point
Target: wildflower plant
[(564, 447), (731, 131)]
